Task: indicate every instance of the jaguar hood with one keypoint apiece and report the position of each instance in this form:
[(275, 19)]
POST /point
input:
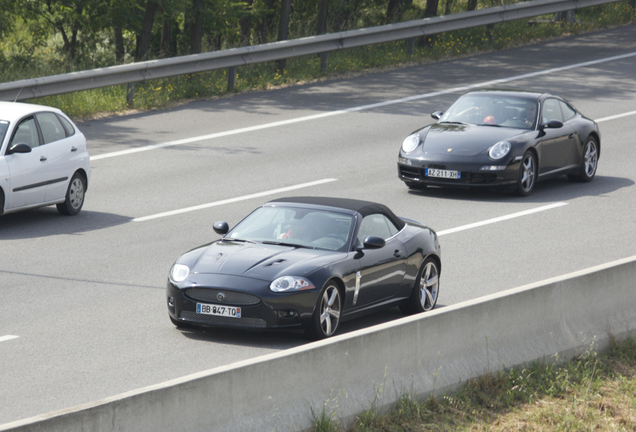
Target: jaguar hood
[(259, 261)]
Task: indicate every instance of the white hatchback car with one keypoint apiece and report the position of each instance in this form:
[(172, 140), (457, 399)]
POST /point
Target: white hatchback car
[(43, 159)]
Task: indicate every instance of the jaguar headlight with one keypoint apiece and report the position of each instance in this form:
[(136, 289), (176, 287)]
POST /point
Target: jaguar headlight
[(410, 143), (499, 150), (290, 283), (178, 273)]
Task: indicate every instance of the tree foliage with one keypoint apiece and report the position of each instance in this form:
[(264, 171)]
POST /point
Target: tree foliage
[(97, 33)]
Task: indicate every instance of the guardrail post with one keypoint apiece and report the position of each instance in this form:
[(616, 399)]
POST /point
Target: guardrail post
[(324, 62), (490, 32), (410, 46), (565, 16), (231, 78), (130, 95)]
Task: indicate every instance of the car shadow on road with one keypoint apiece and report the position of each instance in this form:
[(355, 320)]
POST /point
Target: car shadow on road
[(248, 338), (46, 221), (288, 339), (547, 191)]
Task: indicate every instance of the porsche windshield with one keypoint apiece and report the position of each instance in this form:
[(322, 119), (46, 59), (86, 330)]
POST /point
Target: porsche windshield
[(300, 227), (493, 110)]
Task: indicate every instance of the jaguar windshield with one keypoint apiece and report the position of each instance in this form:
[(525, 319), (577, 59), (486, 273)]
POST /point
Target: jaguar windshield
[(291, 226)]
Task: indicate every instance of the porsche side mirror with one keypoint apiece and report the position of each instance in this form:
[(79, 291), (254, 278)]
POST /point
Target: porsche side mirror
[(437, 114), (19, 148), (221, 227), (552, 124), (373, 242)]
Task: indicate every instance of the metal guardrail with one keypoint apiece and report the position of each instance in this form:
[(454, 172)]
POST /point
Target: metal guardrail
[(153, 69)]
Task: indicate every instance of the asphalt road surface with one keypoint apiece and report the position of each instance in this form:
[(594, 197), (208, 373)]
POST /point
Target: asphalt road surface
[(83, 303)]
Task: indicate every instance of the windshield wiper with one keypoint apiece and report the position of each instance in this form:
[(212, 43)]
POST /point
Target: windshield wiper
[(453, 122), (238, 240), (490, 124), (277, 243)]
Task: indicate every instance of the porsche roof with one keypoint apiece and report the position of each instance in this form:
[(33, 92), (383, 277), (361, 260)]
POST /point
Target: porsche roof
[(509, 92), (363, 207)]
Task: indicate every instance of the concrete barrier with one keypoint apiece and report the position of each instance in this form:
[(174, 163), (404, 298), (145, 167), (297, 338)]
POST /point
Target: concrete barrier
[(424, 354)]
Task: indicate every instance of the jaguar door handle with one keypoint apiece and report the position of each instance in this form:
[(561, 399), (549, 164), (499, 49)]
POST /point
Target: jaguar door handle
[(571, 136), (397, 254), (42, 159), (73, 149)]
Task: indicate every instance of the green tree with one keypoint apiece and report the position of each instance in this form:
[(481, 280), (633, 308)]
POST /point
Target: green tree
[(323, 10), (396, 8), (283, 27), (431, 8), (264, 19), (7, 16), (76, 21), (123, 15), (246, 22), (145, 34)]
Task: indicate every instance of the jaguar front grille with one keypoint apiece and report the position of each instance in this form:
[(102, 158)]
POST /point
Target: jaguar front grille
[(218, 296)]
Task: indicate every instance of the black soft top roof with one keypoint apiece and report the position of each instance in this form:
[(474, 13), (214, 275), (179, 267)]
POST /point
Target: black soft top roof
[(508, 92), (363, 207)]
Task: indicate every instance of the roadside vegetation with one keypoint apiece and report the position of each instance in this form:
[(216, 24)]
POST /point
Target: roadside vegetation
[(31, 47), (595, 392)]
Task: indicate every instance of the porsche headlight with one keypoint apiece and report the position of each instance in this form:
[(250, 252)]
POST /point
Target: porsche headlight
[(179, 272), (499, 150), (410, 143), (290, 283)]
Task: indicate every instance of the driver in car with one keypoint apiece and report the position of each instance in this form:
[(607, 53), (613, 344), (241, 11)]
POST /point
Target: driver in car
[(475, 113), (297, 230), (531, 113)]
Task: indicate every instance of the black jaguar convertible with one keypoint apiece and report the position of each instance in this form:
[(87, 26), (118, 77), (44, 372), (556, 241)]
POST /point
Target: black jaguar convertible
[(501, 138), (306, 263)]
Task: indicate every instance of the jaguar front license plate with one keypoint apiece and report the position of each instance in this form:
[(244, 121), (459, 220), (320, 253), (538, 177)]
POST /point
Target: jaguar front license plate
[(430, 172), (211, 309)]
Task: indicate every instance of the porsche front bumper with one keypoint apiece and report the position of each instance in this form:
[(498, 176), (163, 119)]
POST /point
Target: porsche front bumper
[(470, 173)]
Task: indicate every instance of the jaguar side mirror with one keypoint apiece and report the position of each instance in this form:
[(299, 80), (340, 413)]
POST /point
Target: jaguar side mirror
[(373, 242), (221, 227)]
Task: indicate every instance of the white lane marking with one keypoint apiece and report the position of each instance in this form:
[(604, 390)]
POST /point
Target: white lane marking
[(500, 219), (8, 337), (614, 117), (359, 108), (233, 200)]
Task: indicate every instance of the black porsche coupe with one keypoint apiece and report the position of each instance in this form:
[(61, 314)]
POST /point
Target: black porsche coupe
[(501, 138), (306, 263)]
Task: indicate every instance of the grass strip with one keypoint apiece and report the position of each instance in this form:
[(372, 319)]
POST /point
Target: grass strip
[(593, 392)]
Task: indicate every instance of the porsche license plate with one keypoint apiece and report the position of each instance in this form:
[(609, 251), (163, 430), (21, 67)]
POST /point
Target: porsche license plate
[(430, 172), (211, 309)]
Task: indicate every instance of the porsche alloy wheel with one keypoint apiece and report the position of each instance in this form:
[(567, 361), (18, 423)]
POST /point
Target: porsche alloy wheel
[(590, 161), (74, 196), (426, 292), (527, 174), (327, 314)]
